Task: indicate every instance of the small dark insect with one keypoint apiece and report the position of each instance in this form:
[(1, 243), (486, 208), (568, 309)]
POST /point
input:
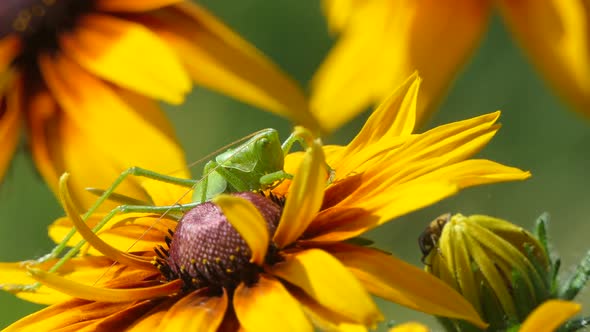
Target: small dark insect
[(429, 237)]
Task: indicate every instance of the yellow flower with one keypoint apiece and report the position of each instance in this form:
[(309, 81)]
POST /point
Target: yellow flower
[(82, 75), (288, 260), (383, 41)]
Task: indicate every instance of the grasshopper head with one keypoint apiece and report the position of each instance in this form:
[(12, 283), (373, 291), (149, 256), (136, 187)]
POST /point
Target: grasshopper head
[(267, 146)]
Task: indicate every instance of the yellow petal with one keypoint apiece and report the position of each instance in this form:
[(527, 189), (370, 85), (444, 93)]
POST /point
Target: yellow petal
[(82, 291), (409, 327), (383, 42), (395, 116), (115, 50), (93, 239), (9, 48), (430, 150), (556, 34), (162, 193), (427, 168), (64, 139), (65, 315), (150, 321), (305, 197), (126, 232), (339, 12), (89, 269), (328, 282), (345, 223), (219, 59), (549, 316), (197, 311), (476, 172), (268, 306), (132, 5), (248, 221), (324, 318), (11, 92), (400, 282)]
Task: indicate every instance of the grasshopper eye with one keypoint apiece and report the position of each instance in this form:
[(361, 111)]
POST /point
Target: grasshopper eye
[(264, 142)]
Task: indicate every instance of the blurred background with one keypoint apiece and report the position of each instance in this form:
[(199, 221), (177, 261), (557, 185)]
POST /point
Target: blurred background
[(539, 133)]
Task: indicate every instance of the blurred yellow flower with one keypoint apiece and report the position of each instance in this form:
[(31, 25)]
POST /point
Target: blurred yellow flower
[(383, 41), (82, 76), (279, 261)]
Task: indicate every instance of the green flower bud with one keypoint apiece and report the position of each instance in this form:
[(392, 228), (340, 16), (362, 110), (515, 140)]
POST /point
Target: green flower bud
[(501, 268)]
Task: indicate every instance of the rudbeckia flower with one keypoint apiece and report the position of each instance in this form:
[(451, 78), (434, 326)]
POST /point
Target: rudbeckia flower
[(284, 259), (83, 77), (382, 41)]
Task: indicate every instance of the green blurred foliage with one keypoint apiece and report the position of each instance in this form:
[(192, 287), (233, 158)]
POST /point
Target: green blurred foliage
[(539, 133)]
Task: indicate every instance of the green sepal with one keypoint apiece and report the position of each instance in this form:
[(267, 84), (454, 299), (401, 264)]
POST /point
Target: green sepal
[(492, 309), (575, 325), (541, 231), (554, 280), (541, 287), (577, 280), (524, 301)]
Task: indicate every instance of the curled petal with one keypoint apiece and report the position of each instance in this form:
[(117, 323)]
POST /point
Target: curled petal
[(125, 232), (92, 293), (305, 197), (95, 240), (248, 221)]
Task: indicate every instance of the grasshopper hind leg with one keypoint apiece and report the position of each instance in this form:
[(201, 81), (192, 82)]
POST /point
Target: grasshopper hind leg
[(135, 171)]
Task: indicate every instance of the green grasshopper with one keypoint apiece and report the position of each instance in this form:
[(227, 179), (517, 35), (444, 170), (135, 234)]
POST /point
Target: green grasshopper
[(255, 165)]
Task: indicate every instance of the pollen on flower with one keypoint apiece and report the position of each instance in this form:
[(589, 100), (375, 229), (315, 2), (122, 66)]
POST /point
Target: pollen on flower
[(206, 250)]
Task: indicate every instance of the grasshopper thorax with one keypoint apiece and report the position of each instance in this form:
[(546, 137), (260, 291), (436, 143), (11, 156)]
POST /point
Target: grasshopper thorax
[(260, 155), (206, 250)]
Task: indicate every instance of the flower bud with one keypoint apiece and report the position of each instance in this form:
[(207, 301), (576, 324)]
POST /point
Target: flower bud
[(501, 268)]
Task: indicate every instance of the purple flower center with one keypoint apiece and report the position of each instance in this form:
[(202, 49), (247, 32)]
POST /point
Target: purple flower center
[(206, 250)]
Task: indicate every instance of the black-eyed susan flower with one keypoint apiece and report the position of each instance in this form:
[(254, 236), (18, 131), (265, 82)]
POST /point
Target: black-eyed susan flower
[(278, 260), (383, 41), (505, 271), (83, 77)]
